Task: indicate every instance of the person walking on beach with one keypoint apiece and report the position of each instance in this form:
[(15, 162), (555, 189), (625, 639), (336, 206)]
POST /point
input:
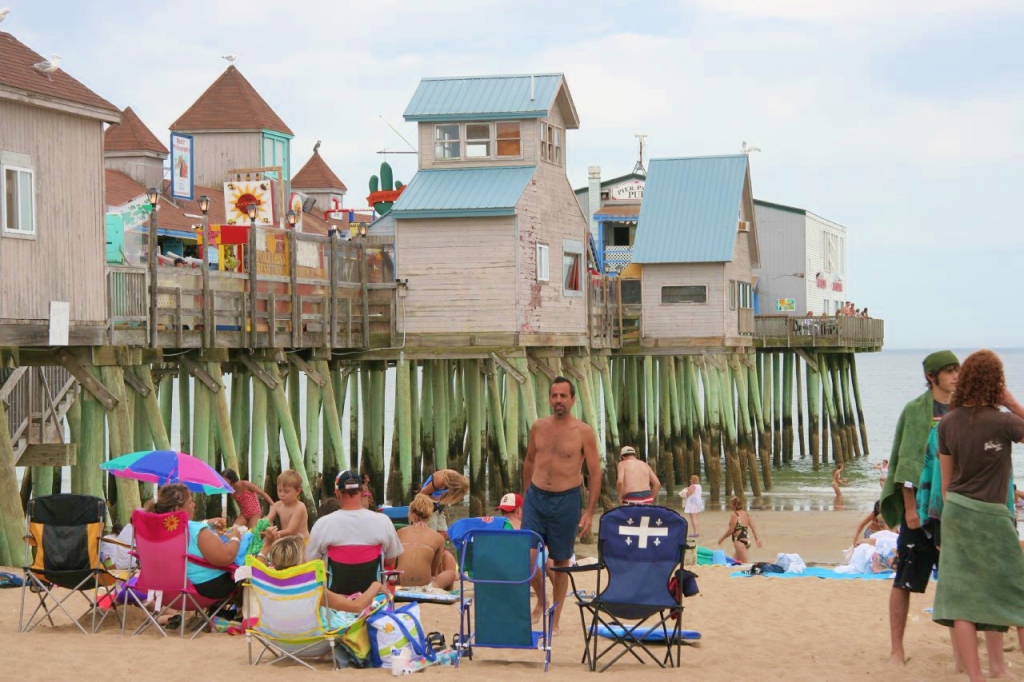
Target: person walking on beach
[(837, 481), (916, 552), (558, 447), (636, 483), (981, 563), (741, 527), (693, 503)]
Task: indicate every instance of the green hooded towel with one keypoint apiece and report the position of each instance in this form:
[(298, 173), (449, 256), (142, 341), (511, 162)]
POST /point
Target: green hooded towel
[(907, 457)]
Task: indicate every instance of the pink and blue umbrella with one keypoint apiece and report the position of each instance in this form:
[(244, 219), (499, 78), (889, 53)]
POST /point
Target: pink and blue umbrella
[(164, 467)]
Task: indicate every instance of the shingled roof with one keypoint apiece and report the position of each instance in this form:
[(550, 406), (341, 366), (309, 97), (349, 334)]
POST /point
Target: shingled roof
[(316, 174), (16, 73), (131, 135), (230, 103)]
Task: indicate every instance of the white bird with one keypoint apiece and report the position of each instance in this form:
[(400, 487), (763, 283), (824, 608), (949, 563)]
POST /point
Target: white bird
[(4, 12), (744, 149), (231, 57), (49, 66)]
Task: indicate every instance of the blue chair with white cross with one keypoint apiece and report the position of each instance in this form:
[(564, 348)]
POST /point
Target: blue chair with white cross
[(634, 610)]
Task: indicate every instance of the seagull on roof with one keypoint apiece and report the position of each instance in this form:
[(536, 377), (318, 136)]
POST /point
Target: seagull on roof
[(49, 66), (4, 12), (744, 149), (231, 57), (316, 147)]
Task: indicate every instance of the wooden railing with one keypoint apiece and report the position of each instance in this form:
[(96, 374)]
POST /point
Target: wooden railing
[(310, 291), (34, 397), (845, 332)]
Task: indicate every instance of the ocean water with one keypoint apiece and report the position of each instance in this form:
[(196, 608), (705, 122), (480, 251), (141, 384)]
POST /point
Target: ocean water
[(888, 380)]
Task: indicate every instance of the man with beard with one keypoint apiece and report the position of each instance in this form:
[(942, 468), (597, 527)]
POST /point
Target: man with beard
[(552, 478)]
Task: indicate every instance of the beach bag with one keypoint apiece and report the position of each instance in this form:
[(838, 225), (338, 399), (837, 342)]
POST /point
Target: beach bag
[(684, 582), (762, 567), (391, 629)]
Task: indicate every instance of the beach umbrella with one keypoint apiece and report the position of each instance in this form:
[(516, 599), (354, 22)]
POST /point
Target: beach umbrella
[(164, 467)]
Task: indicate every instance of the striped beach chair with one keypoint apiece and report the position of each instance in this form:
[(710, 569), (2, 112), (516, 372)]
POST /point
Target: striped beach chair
[(290, 624)]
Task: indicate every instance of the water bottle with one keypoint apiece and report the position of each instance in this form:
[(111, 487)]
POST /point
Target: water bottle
[(400, 659)]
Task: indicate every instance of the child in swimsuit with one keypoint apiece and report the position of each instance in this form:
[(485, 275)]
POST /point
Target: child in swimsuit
[(249, 510), (741, 525)]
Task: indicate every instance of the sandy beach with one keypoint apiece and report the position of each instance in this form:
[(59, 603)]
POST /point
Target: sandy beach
[(801, 630)]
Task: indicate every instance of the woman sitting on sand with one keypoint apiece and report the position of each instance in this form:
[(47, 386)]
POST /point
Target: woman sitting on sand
[(424, 561), (872, 523), (741, 526)]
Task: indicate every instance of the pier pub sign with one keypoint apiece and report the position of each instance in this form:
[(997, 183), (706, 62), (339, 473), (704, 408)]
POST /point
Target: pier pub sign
[(628, 191)]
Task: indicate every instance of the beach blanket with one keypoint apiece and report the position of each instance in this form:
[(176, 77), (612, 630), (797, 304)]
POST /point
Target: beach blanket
[(820, 572), (981, 566), (907, 458)]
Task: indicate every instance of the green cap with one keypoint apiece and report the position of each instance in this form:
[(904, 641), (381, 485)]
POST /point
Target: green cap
[(939, 359)]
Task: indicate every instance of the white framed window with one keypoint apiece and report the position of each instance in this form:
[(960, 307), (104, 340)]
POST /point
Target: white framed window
[(446, 141), (572, 267), (550, 143), (481, 140), (830, 250), (543, 263), (691, 293), (744, 295), (17, 201), (733, 291)]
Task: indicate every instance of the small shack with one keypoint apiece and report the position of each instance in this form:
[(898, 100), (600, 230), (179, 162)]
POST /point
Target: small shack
[(490, 241), (697, 242)]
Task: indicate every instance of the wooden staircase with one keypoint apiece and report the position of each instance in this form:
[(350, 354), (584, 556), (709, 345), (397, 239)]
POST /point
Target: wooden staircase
[(37, 401)]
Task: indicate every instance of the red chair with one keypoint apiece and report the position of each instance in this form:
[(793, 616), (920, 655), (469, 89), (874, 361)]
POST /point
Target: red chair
[(352, 568), (161, 544)]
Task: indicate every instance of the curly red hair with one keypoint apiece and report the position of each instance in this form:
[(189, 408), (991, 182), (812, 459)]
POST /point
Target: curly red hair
[(981, 381)]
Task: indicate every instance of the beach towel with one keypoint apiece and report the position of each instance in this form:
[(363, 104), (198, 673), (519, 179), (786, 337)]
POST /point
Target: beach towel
[(981, 565), (820, 572), (907, 457)]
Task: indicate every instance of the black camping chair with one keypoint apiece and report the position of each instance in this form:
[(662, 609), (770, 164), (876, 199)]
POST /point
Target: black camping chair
[(64, 539), (639, 548)]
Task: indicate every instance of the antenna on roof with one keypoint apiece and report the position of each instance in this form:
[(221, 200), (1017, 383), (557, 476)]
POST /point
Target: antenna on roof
[(639, 169), (387, 151)]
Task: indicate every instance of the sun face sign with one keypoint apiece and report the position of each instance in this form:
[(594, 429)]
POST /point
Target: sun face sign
[(171, 524), (238, 196)]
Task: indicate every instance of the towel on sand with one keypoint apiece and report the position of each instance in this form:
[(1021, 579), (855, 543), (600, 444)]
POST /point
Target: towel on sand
[(907, 458), (820, 572), (981, 566)]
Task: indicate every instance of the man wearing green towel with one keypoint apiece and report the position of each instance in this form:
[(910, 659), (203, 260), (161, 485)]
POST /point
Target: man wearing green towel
[(916, 551)]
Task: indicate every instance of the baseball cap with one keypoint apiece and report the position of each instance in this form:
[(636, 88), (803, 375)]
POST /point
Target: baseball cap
[(510, 502), (627, 450), (348, 480)]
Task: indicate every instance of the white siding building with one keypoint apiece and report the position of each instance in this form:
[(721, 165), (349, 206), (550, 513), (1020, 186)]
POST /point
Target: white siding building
[(803, 262)]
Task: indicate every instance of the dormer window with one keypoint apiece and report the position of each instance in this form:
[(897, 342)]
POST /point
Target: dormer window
[(497, 140)]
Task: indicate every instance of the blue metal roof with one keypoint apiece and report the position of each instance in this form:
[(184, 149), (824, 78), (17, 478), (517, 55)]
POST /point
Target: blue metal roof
[(690, 210), (484, 97), (463, 192)]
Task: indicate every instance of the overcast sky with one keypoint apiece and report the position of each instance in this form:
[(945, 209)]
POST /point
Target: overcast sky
[(900, 120)]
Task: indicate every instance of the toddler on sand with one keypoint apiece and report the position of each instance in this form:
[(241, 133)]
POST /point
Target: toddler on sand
[(289, 511), (249, 510)]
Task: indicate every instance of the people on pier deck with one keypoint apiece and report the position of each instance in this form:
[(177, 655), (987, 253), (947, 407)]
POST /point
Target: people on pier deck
[(289, 511), (558, 447), (636, 482), (916, 551)]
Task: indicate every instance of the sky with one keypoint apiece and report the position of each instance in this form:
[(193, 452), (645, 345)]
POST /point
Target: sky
[(901, 121)]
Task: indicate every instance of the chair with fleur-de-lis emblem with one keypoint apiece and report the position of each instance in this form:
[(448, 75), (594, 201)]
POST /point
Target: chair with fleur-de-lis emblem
[(634, 610)]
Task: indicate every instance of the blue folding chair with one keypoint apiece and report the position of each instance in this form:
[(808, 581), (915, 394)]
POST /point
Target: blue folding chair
[(460, 530), (498, 564), (639, 548)]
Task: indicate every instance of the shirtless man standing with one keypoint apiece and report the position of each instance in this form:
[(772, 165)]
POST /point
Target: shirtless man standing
[(552, 477), (636, 483)]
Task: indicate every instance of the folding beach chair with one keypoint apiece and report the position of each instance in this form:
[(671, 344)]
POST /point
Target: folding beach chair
[(161, 544), (64, 540), (640, 548), (352, 568), (290, 624), (460, 530), (498, 565)]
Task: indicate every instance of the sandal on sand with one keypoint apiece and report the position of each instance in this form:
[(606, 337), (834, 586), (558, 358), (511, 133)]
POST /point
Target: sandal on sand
[(171, 622)]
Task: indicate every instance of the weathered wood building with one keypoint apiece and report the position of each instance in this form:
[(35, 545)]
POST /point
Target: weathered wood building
[(490, 241)]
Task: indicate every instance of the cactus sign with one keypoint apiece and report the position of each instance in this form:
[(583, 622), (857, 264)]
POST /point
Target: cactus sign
[(384, 191)]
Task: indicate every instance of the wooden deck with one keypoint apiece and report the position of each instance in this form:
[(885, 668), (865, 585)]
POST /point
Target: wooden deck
[(843, 334)]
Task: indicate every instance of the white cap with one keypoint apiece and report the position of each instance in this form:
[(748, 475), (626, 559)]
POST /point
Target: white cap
[(627, 450)]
